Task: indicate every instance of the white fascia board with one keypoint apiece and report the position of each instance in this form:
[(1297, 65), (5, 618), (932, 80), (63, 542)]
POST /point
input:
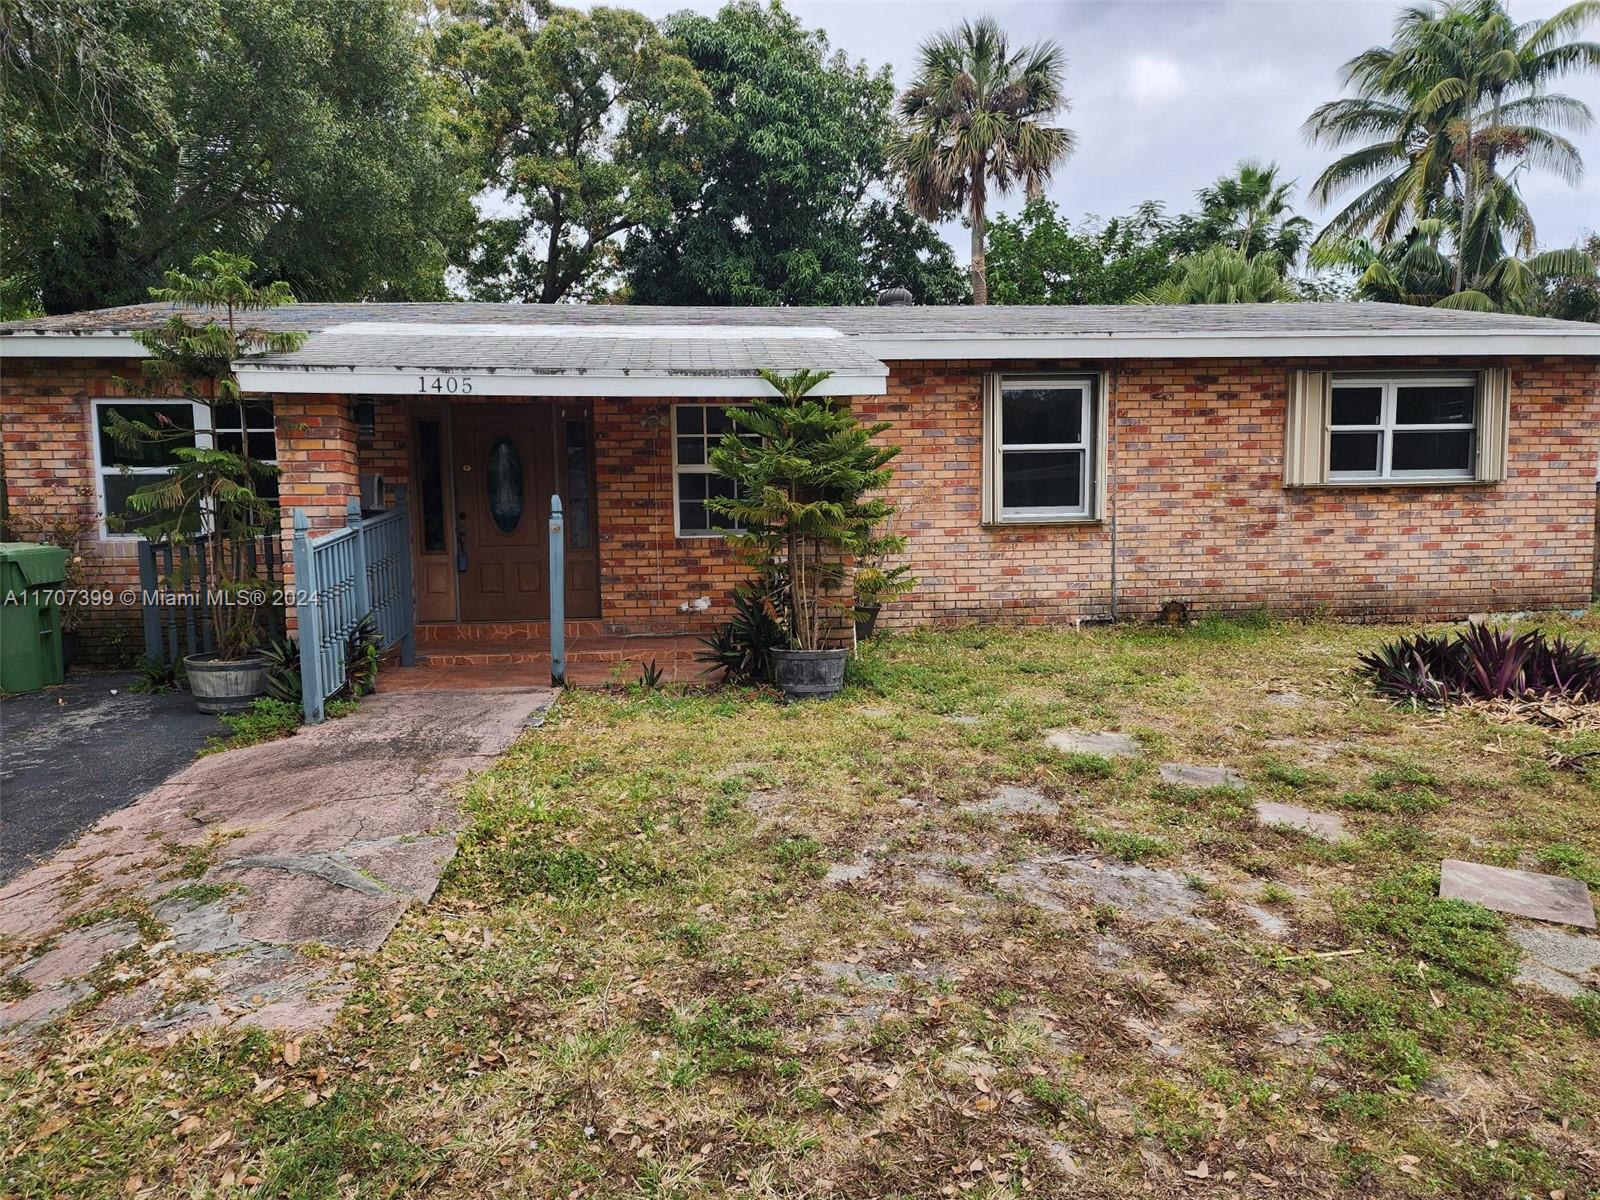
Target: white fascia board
[(1256, 345), (344, 381), (30, 344)]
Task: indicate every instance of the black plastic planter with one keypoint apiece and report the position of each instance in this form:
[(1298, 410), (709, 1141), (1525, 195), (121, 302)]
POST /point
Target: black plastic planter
[(809, 674)]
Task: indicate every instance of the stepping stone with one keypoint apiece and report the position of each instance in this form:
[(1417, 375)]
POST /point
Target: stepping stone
[(1520, 893), (1327, 826), (1014, 802), (1557, 961), (1188, 775), (1105, 743)]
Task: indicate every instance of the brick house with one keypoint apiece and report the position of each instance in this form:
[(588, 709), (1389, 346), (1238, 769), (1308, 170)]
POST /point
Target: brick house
[(1364, 460)]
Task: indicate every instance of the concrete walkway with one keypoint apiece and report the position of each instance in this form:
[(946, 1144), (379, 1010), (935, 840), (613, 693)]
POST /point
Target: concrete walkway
[(71, 754), (243, 888)]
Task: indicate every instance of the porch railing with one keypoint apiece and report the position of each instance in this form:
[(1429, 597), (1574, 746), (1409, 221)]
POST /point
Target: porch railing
[(339, 578), (175, 585)]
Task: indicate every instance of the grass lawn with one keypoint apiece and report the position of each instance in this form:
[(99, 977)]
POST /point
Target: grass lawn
[(706, 945)]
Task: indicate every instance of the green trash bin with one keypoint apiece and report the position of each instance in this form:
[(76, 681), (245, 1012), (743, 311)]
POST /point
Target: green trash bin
[(30, 616)]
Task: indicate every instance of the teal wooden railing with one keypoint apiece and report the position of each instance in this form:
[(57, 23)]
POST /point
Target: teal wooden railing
[(339, 578), (175, 592)]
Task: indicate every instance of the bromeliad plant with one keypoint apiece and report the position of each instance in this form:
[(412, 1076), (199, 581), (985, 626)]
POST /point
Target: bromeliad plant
[(210, 493), (806, 473), (1484, 663)]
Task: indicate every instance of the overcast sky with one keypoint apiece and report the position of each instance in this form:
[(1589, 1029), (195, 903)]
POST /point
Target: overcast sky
[(1166, 94)]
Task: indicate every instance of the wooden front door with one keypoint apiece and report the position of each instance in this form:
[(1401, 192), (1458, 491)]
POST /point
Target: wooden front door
[(503, 480)]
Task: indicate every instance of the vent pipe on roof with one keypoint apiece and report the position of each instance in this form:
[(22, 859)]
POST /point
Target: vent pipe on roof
[(893, 297)]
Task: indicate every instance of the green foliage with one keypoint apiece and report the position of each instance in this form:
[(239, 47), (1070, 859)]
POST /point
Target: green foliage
[(729, 1038), (1437, 116), (266, 720), (799, 854), (1464, 941), (361, 657), (283, 669), (298, 132), (1128, 846), (742, 647), (584, 120), (785, 208), (1222, 275), (208, 491), (156, 678), (1039, 257), (1251, 211), (977, 116), (807, 473)]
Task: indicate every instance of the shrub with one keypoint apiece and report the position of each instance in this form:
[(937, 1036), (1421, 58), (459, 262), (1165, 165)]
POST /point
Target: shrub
[(1484, 663), (742, 647)]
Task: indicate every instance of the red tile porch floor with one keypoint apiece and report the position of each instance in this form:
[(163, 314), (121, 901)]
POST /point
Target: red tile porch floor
[(517, 654)]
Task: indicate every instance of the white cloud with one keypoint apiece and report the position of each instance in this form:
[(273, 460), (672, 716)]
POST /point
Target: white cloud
[(1153, 80)]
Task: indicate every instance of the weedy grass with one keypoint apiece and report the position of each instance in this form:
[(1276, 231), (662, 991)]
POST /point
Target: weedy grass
[(639, 977)]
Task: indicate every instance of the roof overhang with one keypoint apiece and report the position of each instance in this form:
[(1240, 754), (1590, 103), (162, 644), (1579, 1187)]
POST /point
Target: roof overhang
[(935, 347), (32, 343), (1399, 343), (407, 381), (424, 359)]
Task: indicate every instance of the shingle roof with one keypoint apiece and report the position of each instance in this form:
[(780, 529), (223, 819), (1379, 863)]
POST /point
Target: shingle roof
[(868, 320)]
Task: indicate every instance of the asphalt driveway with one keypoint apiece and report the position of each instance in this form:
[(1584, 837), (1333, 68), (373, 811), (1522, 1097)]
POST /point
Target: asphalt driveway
[(71, 754)]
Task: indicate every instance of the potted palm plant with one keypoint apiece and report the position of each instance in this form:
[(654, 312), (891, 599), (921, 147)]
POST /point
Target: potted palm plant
[(212, 496), (807, 474), (877, 580)]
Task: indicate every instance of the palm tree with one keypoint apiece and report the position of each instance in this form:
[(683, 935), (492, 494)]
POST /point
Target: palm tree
[(1461, 90), (1252, 211), (977, 114), (1413, 269), (1222, 275)]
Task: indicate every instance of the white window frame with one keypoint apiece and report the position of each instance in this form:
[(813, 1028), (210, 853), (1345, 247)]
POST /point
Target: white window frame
[(679, 470), (204, 439), (1387, 426), (1088, 432)]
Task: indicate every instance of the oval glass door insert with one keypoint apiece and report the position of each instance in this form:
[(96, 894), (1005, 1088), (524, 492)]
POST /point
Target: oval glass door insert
[(504, 481)]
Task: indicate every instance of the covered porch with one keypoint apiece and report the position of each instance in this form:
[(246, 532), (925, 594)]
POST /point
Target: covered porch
[(480, 431)]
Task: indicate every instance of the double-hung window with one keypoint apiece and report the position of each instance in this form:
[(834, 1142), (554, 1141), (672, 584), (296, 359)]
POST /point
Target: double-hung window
[(1402, 428), (696, 430), (122, 469), (1042, 442), (1376, 429)]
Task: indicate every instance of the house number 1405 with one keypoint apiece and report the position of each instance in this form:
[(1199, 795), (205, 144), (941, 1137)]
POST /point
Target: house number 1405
[(444, 384)]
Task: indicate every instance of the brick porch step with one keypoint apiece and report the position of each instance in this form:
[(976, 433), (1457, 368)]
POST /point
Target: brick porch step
[(501, 631), (479, 652)]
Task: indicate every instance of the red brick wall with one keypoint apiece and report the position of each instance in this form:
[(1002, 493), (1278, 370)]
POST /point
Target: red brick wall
[(45, 437), (1196, 501), (1197, 504), (649, 579), (1200, 512)]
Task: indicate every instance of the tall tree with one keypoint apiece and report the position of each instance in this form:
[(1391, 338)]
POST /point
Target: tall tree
[(1416, 269), (1039, 257), (791, 206), (298, 132), (580, 128), (977, 116), (1436, 116), (1253, 211)]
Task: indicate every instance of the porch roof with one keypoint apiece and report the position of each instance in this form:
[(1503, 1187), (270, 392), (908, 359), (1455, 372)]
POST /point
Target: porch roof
[(553, 360)]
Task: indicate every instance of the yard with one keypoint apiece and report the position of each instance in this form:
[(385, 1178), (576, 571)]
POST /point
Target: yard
[(898, 944)]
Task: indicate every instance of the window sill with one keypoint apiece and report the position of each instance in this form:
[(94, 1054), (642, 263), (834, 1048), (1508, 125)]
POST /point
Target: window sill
[(1443, 481), (1029, 522)]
